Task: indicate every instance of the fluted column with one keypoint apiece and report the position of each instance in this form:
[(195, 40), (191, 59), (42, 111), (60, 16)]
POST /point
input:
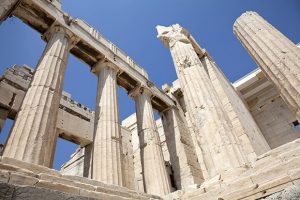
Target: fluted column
[(6, 8), (243, 124), (156, 179), (106, 163), (33, 135), (275, 54), (220, 147), (183, 156)]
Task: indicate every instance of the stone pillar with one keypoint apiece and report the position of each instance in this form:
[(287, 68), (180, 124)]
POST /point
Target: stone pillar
[(156, 179), (87, 163), (3, 116), (183, 156), (243, 124), (6, 8), (33, 135), (274, 53), (106, 163), (220, 147)]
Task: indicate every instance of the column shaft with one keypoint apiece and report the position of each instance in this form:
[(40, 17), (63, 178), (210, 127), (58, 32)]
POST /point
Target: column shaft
[(243, 124), (33, 135), (275, 54), (220, 147), (156, 179), (106, 165), (183, 156)]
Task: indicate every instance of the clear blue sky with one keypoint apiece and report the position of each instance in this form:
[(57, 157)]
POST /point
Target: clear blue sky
[(131, 26)]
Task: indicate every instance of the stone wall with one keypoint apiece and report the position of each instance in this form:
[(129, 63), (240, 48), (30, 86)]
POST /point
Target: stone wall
[(272, 115)]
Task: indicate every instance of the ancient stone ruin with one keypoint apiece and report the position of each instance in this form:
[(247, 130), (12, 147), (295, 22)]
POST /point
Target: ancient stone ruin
[(214, 139)]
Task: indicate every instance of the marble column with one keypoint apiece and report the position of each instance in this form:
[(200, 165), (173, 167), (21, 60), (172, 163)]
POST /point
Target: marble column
[(220, 147), (6, 8), (183, 156), (33, 135), (3, 116), (243, 124), (156, 179), (106, 159), (275, 54)]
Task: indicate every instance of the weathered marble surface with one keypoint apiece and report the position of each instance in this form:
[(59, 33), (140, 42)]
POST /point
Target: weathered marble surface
[(37, 178), (220, 147), (34, 130), (272, 172), (290, 193), (107, 143), (156, 179), (6, 7), (185, 165), (274, 53)]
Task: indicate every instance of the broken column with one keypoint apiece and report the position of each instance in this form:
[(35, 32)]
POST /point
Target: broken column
[(183, 156), (33, 136), (156, 179), (275, 54), (220, 147), (106, 159)]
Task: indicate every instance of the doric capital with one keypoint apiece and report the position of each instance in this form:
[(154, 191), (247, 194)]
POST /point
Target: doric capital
[(96, 69), (172, 34), (55, 28), (138, 90)]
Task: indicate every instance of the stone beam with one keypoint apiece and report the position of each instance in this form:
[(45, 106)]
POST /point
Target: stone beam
[(6, 8), (40, 14)]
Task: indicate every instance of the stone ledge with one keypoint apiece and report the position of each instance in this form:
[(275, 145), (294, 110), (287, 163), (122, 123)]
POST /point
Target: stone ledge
[(30, 167), (281, 171), (18, 174)]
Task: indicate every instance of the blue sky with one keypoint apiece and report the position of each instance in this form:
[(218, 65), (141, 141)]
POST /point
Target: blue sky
[(130, 24)]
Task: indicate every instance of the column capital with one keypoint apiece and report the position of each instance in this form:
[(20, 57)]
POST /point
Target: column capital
[(172, 34), (56, 28), (138, 90), (102, 64)]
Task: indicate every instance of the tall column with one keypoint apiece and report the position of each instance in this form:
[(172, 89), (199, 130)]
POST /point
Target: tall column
[(106, 163), (156, 180), (221, 149), (243, 124), (33, 135), (274, 53), (183, 156), (6, 8)]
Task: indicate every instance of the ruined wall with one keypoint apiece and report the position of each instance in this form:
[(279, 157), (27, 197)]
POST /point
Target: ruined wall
[(271, 113), (273, 117)]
